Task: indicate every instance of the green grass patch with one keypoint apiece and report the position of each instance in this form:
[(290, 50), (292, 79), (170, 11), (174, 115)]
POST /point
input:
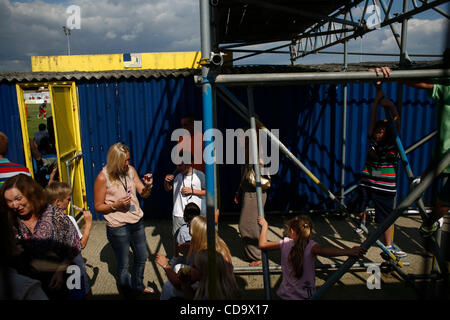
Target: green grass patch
[(32, 121)]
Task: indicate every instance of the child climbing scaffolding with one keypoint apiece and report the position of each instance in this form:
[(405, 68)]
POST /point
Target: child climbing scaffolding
[(298, 253), (379, 175)]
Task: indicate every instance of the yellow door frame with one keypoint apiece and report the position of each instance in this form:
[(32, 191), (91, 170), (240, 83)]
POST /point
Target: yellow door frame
[(73, 92), (24, 125)]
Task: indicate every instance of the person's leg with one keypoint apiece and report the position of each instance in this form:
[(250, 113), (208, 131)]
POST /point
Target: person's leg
[(120, 239), (388, 236), (81, 292), (440, 209), (139, 247), (443, 202), (383, 203), (384, 206), (356, 205), (249, 228), (357, 201), (247, 210)]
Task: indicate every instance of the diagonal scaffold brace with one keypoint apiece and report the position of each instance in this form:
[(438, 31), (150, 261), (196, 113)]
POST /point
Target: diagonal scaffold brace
[(434, 247), (412, 197)]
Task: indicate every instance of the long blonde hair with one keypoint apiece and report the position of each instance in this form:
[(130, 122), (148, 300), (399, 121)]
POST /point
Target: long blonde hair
[(199, 239), (302, 226), (115, 161), (226, 285)]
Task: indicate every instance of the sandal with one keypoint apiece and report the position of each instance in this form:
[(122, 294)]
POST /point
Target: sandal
[(255, 263), (149, 290)]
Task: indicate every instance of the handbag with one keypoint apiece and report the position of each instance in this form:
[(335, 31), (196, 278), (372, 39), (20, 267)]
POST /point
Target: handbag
[(251, 178)]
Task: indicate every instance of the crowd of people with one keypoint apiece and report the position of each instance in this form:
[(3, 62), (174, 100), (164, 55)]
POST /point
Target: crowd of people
[(40, 241)]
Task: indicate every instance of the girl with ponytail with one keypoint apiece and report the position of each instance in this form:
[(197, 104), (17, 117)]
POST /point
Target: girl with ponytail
[(298, 253)]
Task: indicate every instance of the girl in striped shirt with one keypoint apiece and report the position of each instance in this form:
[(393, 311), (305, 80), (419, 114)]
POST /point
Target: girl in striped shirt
[(379, 176)]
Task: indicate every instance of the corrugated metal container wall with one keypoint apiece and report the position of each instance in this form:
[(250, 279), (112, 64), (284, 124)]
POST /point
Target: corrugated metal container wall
[(10, 122), (143, 114)]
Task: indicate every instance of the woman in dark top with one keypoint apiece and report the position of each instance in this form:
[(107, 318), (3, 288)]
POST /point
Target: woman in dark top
[(47, 237)]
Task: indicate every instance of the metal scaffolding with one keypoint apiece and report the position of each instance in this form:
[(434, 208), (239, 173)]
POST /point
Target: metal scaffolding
[(326, 28), (341, 25)]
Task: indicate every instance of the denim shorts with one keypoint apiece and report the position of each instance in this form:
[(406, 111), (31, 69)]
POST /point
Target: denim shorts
[(383, 202)]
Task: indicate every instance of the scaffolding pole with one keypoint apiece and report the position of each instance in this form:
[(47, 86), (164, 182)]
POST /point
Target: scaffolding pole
[(405, 161), (344, 124), (412, 197), (254, 151), (208, 101), (422, 141), (394, 30), (323, 77), (318, 266)]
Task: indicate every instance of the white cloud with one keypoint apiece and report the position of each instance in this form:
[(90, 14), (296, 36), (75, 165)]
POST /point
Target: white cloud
[(107, 26), (111, 35)]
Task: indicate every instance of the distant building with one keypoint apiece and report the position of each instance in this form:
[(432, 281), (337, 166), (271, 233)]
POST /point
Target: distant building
[(36, 96)]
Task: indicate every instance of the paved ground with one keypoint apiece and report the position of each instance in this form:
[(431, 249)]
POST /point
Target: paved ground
[(328, 231)]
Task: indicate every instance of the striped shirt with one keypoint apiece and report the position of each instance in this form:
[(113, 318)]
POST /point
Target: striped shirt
[(380, 168), (9, 169)]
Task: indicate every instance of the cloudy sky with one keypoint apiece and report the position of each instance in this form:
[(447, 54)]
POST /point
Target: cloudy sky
[(34, 28)]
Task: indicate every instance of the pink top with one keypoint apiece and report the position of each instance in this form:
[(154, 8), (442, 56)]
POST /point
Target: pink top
[(293, 288), (116, 190)]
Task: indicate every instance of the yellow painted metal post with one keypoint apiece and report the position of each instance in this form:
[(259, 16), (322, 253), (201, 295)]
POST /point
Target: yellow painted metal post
[(23, 124)]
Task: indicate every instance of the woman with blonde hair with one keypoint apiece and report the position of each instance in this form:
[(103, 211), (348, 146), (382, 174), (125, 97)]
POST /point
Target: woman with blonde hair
[(199, 241), (172, 288), (298, 253), (115, 196)]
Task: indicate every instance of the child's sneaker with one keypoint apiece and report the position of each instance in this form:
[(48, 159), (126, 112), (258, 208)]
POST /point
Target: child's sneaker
[(426, 231), (397, 252), (360, 229)]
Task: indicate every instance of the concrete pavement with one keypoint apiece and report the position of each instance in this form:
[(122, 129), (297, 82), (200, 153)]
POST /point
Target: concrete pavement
[(328, 231)]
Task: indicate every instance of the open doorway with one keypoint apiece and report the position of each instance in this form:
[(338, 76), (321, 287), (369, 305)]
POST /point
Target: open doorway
[(51, 135), (41, 134)]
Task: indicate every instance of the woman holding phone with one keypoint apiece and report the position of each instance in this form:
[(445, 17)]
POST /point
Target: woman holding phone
[(115, 196)]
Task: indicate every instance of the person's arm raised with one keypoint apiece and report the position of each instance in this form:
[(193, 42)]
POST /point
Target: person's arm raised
[(263, 243)]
